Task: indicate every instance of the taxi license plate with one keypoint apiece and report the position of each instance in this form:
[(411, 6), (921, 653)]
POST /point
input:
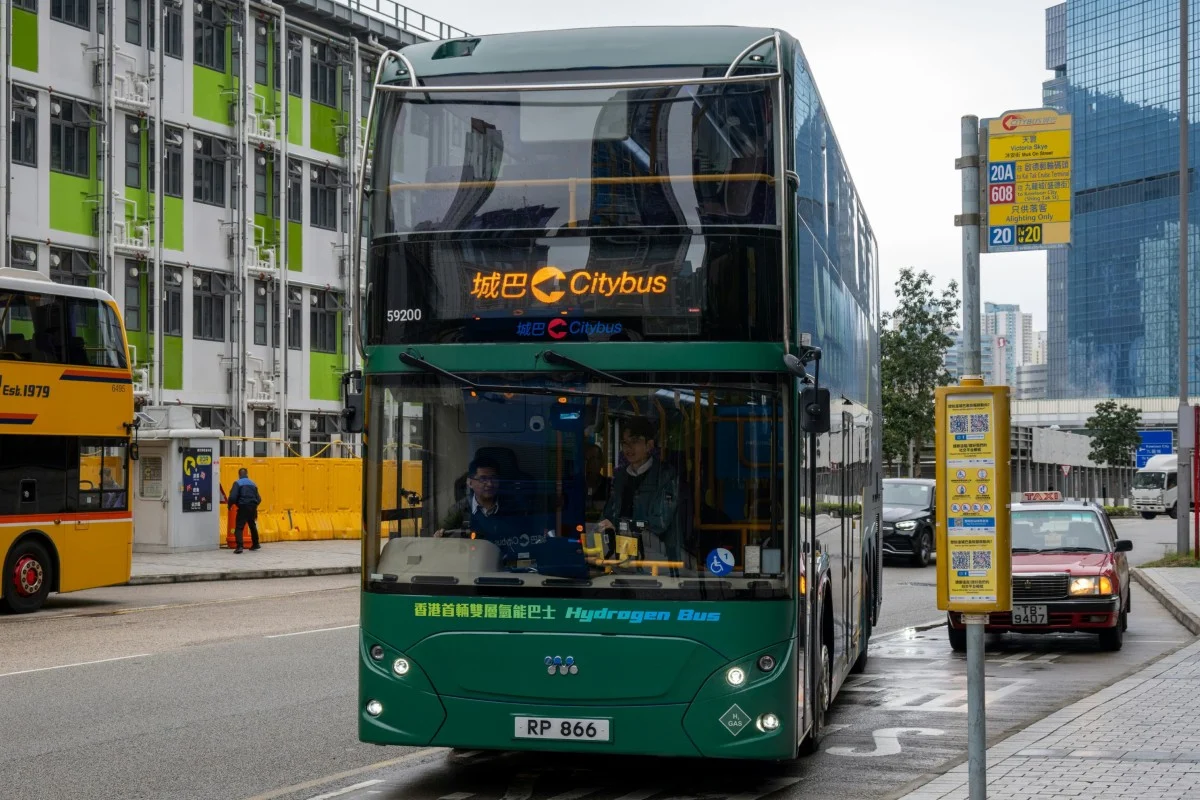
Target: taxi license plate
[(1030, 615), (562, 729)]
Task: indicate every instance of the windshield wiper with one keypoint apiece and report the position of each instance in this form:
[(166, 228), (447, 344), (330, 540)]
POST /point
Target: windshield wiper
[(559, 360), (1071, 550), (1026, 550), (420, 363)]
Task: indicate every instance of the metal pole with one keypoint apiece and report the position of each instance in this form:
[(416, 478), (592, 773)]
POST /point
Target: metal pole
[(976, 711), (972, 357), (970, 222), (1183, 505)]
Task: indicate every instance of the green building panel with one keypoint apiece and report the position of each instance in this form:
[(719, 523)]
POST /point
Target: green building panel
[(173, 362), (325, 128), (325, 372), (295, 121), (172, 222), (72, 204), (24, 40), (295, 260)]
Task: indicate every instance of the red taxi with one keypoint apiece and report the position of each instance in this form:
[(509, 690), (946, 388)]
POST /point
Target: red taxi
[(1069, 573)]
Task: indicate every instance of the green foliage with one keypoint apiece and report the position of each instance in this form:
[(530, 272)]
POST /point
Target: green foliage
[(1114, 432), (912, 349), (1117, 512)]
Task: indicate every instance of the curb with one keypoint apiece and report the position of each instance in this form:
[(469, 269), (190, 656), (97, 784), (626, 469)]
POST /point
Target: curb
[(1186, 617), (239, 575)]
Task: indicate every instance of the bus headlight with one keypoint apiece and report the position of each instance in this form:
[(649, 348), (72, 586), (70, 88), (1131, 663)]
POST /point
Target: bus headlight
[(768, 722), (374, 708), (400, 667), (736, 676)]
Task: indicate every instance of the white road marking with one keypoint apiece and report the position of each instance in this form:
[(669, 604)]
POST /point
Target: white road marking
[(347, 790), (77, 664), (391, 762), (317, 630), (770, 787), (909, 629), (640, 794), (887, 742), (457, 796), (522, 788)]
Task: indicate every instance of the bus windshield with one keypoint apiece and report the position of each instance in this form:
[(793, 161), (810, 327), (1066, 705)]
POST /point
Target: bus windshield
[(663, 485), (676, 156), (50, 328)]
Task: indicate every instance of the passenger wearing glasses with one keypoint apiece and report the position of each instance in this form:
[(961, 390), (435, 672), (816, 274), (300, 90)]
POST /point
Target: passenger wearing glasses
[(646, 491)]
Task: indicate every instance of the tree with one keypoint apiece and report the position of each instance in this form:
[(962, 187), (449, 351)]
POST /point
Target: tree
[(1114, 432), (912, 349)]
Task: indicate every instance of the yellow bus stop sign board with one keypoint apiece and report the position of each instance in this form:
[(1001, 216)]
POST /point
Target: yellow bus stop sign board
[(974, 548), (1028, 181)]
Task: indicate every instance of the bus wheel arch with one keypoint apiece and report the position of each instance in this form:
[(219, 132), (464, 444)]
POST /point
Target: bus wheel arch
[(36, 557)]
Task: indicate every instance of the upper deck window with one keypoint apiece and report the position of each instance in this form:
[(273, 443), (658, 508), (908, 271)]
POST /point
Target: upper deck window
[(51, 329), (674, 156)]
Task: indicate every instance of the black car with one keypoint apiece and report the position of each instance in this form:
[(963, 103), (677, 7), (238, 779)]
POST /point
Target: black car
[(908, 516)]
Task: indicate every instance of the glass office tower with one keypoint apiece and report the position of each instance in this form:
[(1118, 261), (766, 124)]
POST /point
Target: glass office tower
[(1112, 297)]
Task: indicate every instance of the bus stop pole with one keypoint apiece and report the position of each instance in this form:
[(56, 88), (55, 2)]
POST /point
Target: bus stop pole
[(970, 223)]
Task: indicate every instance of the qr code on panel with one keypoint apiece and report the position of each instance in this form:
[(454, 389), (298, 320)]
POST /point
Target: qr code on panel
[(960, 559), (958, 423), (979, 423), (981, 559)]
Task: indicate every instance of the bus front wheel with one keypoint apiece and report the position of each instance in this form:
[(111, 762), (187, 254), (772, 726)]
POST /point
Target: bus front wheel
[(27, 577)]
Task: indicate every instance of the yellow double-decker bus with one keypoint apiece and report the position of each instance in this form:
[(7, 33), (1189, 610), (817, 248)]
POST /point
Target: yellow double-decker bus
[(66, 420)]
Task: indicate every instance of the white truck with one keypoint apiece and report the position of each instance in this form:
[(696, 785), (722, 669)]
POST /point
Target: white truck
[(1156, 487)]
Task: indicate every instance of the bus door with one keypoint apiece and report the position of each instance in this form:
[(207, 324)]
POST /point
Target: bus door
[(847, 521)]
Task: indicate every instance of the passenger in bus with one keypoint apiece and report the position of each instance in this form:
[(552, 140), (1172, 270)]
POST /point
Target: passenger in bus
[(483, 510), (113, 492), (645, 491)]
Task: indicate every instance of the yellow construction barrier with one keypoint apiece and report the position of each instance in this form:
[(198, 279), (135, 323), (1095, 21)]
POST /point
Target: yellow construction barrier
[(310, 499)]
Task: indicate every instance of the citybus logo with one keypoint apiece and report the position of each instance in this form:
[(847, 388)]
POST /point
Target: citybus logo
[(550, 285), (1010, 122)]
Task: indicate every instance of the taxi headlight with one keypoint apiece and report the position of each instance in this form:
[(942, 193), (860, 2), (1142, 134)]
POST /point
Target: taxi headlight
[(1106, 585), (1084, 585)]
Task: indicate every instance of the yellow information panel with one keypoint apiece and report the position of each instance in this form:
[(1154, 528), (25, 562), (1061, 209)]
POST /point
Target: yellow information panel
[(1028, 186), (974, 548)]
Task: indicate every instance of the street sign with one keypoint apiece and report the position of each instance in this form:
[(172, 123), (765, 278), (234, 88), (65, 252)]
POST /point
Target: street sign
[(1028, 181), (1065, 469), (973, 537), (1154, 443)]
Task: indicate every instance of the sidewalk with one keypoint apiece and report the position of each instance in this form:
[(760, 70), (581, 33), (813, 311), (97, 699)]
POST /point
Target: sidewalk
[(1138, 738), (274, 560)]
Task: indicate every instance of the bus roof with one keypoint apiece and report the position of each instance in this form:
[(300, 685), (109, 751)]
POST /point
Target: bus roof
[(25, 280), (588, 48)]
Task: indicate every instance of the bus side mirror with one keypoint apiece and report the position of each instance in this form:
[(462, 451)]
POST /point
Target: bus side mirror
[(814, 410), (353, 402)]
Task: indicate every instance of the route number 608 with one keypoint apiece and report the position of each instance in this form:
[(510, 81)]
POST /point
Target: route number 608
[(403, 314)]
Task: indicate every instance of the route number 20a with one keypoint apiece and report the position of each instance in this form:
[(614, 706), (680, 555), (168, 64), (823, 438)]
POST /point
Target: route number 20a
[(403, 314)]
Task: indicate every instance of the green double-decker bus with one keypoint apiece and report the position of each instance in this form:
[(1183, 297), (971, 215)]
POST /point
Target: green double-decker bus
[(620, 398)]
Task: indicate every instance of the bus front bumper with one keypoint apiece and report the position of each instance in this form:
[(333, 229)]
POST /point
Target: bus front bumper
[(719, 722)]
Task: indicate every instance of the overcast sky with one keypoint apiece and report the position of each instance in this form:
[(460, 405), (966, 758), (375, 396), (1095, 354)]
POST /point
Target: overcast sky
[(896, 76)]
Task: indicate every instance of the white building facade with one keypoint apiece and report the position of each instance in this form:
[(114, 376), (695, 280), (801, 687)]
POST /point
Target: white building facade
[(215, 208)]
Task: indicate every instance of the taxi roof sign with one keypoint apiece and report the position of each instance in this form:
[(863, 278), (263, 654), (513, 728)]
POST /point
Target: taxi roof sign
[(1042, 497)]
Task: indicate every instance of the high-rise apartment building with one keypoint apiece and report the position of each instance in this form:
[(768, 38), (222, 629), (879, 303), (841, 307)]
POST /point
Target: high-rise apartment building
[(1112, 297), (1011, 331), (197, 160)]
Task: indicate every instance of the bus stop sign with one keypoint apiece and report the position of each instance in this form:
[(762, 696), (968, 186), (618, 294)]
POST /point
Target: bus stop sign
[(974, 549)]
